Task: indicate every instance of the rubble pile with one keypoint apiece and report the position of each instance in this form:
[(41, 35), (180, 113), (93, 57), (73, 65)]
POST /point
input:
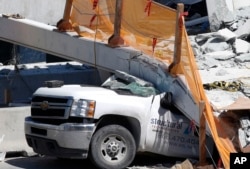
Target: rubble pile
[(223, 59), (229, 43)]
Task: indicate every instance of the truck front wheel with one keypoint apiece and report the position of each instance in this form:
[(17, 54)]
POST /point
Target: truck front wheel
[(112, 147)]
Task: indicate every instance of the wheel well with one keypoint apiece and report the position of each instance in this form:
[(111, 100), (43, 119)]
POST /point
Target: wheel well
[(132, 124)]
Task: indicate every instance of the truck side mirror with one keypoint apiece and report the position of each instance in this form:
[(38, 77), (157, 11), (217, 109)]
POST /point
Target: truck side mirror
[(166, 101)]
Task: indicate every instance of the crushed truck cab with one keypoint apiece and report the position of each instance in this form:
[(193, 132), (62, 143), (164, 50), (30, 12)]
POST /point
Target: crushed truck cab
[(109, 123)]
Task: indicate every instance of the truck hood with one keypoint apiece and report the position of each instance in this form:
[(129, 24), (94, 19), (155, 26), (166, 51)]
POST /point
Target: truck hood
[(74, 91)]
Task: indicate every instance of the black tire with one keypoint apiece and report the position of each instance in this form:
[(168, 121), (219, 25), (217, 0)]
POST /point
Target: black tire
[(112, 147)]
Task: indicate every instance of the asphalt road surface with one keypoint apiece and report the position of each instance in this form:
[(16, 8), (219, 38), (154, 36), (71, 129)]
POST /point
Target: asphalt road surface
[(42, 162)]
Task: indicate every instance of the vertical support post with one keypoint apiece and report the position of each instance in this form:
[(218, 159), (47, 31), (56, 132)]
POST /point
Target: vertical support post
[(178, 35), (116, 40), (67, 10), (64, 24), (7, 96), (118, 17), (202, 135)]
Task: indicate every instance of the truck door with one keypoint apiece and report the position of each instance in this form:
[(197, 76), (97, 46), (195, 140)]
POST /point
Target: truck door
[(169, 132)]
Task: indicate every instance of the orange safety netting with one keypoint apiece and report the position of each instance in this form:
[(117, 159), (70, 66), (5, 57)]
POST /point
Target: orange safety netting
[(149, 27), (188, 67), (139, 28)]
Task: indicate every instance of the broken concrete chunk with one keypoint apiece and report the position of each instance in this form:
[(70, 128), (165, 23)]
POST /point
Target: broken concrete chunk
[(243, 30), (244, 132), (211, 62), (206, 63), (241, 46), (243, 58), (202, 38), (225, 34), (243, 13), (233, 26), (245, 81), (247, 65), (196, 48), (240, 23), (216, 44), (219, 15), (184, 165), (196, 51), (221, 55)]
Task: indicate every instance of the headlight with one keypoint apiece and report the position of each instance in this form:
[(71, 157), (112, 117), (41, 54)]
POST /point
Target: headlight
[(83, 108)]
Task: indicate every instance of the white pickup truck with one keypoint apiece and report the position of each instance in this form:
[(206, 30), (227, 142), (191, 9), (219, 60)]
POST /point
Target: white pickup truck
[(109, 124)]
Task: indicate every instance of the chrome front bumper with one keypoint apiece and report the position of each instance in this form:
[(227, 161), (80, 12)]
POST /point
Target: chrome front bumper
[(70, 140)]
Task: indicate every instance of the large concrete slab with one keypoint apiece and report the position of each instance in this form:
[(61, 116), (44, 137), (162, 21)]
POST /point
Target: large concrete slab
[(231, 5), (45, 11), (69, 46)]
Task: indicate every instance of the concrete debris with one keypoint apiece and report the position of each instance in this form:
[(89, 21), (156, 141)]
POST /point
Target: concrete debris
[(225, 34), (212, 42), (220, 13), (241, 46), (219, 98), (243, 58), (242, 13), (237, 21), (223, 55), (243, 29), (222, 46), (244, 132), (215, 44), (184, 165), (201, 38), (245, 81), (207, 63)]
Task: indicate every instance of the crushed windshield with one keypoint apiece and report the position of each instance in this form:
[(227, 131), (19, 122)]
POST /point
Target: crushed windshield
[(124, 83)]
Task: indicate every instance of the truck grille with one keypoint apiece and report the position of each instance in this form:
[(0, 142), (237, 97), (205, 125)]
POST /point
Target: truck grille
[(50, 107)]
